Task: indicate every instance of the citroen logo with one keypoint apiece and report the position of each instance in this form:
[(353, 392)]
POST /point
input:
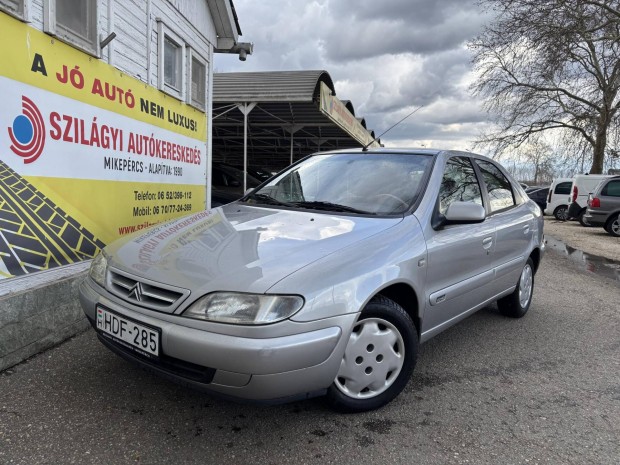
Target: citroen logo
[(136, 292)]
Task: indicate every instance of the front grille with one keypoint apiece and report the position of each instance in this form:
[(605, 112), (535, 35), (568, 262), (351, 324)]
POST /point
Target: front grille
[(144, 292)]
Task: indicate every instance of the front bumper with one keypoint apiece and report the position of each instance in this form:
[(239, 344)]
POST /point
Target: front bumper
[(269, 363)]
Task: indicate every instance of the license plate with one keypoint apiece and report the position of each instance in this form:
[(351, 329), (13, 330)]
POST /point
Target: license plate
[(129, 333)]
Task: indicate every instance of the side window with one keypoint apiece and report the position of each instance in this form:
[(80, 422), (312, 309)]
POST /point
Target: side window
[(563, 188), (498, 186), (459, 183), (73, 22), (612, 189), (14, 7)]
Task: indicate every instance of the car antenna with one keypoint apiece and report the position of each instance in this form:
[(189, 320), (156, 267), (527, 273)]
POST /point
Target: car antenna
[(365, 147)]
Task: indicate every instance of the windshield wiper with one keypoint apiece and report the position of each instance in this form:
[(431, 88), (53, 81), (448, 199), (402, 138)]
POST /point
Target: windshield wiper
[(264, 198), (334, 207)]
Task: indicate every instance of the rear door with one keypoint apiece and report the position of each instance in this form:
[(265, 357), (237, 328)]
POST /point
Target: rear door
[(513, 222)]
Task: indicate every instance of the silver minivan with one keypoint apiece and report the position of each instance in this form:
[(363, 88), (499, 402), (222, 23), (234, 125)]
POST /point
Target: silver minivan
[(323, 280), (604, 206)]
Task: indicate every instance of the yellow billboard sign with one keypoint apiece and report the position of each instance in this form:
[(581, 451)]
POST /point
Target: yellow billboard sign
[(87, 153)]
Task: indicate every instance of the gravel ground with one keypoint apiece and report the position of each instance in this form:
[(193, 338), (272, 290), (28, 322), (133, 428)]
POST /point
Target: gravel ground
[(595, 241)]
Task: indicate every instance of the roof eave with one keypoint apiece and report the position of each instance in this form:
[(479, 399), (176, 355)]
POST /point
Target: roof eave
[(226, 23)]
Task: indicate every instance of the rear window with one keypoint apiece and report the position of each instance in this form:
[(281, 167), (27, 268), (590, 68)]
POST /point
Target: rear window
[(563, 188), (612, 189)]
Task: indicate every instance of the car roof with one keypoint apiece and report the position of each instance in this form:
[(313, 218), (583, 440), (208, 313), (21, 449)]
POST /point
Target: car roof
[(404, 151)]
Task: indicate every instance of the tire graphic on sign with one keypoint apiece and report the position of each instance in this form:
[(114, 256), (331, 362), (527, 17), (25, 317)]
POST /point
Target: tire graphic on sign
[(36, 234)]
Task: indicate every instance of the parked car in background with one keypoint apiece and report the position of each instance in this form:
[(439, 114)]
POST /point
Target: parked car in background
[(324, 280), (262, 174), (539, 195), (583, 185), (229, 180), (219, 198), (557, 201), (604, 206)]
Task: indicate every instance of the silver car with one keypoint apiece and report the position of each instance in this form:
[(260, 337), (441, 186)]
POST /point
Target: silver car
[(324, 280), (604, 206)]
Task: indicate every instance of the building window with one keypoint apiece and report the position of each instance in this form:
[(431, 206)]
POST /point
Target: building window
[(198, 73), (73, 21), (171, 62), (14, 7)]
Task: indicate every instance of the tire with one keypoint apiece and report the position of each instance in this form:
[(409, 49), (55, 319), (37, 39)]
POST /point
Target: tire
[(561, 213), (518, 303), (613, 225), (378, 360), (582, 221)]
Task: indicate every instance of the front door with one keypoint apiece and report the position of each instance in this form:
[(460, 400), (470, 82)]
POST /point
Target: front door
[(460, 256)]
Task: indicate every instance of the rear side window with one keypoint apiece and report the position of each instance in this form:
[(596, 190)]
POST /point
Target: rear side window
[(498, 186), (563, 188), (612, 189), (459, 183)]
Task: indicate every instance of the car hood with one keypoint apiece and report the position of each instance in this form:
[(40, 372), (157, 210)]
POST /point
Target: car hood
[(238, 247)]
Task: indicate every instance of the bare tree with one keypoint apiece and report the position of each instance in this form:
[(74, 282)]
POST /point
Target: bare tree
[(552, 65), (535, 162)]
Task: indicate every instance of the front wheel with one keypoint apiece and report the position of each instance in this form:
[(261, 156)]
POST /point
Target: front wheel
[(518, 303), (378, 360)]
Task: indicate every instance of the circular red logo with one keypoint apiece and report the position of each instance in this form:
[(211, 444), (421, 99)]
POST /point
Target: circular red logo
[(28, 132)]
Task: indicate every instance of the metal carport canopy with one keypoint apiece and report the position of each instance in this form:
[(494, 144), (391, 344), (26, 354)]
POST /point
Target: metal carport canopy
[(290, 114)]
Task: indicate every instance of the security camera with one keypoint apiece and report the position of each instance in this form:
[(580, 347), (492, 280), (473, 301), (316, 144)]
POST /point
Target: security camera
[(243, 49)]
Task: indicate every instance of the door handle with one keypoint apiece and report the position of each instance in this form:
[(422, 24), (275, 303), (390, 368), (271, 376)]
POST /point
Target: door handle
[(487, 242), (526, 229)]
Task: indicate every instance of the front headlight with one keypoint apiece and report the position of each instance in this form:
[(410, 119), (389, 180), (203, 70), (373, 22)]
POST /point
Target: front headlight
[(245, 309), (97, 269)]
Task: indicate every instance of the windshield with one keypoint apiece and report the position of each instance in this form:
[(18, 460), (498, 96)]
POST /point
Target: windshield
[(377, 184)]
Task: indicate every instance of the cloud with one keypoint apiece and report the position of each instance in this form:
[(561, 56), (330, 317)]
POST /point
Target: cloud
[(357, 38), (386, 57)]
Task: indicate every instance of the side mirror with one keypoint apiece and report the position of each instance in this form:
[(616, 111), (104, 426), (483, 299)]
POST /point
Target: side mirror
[(465, 212)]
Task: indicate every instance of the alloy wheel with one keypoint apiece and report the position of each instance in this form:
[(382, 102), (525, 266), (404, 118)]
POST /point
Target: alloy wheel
[(562, 214)]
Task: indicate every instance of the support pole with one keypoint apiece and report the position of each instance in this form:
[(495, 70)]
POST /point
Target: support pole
[(245, 108), (209, 167), (292, 129)]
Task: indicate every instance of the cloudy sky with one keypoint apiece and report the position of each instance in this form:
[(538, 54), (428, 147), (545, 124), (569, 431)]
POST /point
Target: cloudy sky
[(387, 57)]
